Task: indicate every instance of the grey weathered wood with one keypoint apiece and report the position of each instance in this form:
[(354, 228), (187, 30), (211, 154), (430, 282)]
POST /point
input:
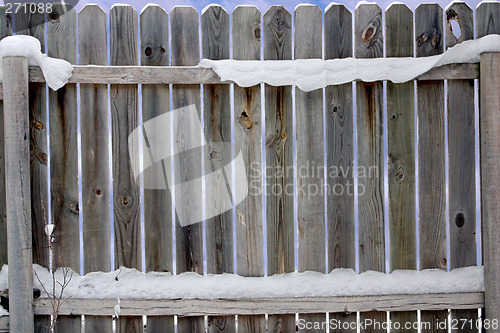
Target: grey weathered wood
[(17, 193), (197, 307), (431, 150), (339, 152), (38, 154), (400, 117), (487, 19), (157, 202), (368, 43), (61, 40), (490, 173), (217, 127), (277, 34), (461, 158), (5, 30), (248, 136), (124, 119), (309, 136), (94, 122), (189, 240)]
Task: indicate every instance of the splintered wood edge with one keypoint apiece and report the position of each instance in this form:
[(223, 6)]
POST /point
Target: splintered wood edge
[(221, 307)]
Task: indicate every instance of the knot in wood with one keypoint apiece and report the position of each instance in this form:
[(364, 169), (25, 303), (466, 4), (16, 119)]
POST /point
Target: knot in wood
[(370, 31), (98, 192), (245, 120), (215, 155), (460, 220), (257, 32)]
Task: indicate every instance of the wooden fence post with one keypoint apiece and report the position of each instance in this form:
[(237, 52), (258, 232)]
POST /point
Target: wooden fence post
[(17, 190), (489, 120)]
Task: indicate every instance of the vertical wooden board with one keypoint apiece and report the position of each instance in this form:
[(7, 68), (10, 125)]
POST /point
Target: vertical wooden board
[(277, 34), (368, 43), (5, 30), (310, 156), (431, 151), (124, 119), (32, 25), (157, 202), (189, 239), (461, 159), (61, 40), (339, 152), (217, 128), (248, 136), (400, 117), (92, 46)]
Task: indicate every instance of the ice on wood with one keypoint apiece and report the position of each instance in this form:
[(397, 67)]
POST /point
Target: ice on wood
[(56, 71), (311, 74)]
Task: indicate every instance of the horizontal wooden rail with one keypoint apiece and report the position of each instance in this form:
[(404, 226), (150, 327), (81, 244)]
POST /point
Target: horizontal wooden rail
[(196, 75), (220, 307)]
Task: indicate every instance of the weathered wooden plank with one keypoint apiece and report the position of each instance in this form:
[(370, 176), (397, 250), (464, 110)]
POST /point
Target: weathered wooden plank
[(157, 202), (400, 117), (96, 191), (368, 43), (189, 239), (124, 119), (277, 34), (309, 132), (26, 24), (217, 128), (61, 40), (490, 173), (248, 136), (461, 158), (431, 151), (5, 30), (17, 192), (217, 307), (339, 153)]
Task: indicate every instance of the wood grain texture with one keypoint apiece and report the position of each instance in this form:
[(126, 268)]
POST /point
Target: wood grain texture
[(277, 34), (248, 136), (310, 156), (94, 123), (63, 113), (17, 192), (431, 151), (189, 240), (5, 30), (461, 158), (489, 121), (157, 202), (487, 19), (339, 152), (217, 127), (368, 43), (280, 305), (400, 117), (124, 119)]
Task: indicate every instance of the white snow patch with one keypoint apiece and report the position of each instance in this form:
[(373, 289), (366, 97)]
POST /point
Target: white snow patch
[(49, 229), (304, 5), (453, 3), (311, 74), (331, 5), (395, 3), (3, 312), (150, 5), (365, 3), (90, 5), (56, 71), (340, 282), (121, 5), (486, 1), (211, 5)]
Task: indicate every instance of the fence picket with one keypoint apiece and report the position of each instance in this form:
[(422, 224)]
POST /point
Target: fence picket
[(277, 34), (5, 30), (189, 239), (217, 128), (431, 152), (400, 117), (33, 25), (369, 121), (461, 159), (157, 202), (339, 153), (309, 132), (248, 136), (124, 119), (94, 122)]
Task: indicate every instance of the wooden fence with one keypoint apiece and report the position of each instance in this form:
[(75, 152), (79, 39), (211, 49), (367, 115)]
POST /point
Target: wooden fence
[(330, 120)]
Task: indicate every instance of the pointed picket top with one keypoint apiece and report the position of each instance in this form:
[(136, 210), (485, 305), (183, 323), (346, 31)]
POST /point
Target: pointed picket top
[(462, 14)]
